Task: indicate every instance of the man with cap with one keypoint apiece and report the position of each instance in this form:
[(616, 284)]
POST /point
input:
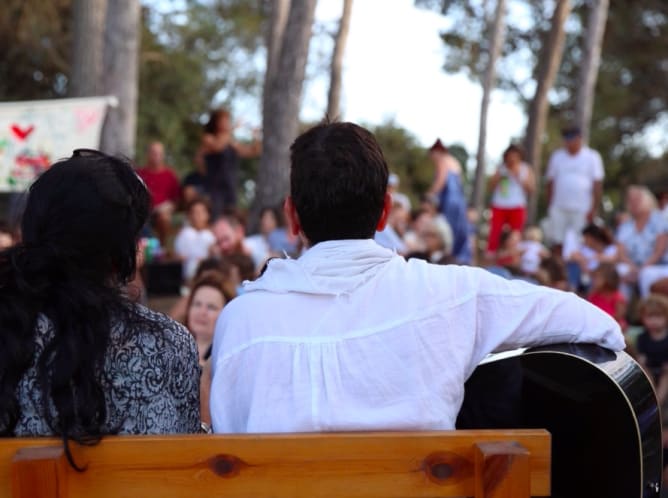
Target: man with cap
[(574, 186)]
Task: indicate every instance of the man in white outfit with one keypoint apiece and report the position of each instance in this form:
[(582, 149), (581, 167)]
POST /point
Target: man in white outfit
[(574, 186), (351, 336)]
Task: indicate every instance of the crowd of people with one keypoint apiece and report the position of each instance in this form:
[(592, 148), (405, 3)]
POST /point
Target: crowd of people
[(310, 273)]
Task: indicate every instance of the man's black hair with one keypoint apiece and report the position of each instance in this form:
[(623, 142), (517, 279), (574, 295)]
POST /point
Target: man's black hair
[(338, 181)]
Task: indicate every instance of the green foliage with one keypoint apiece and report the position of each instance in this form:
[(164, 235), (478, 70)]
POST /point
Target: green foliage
[(408, 159), (405, 157), (191, 60), (201, 54), (628, 99), (630, 94), (35, 44)]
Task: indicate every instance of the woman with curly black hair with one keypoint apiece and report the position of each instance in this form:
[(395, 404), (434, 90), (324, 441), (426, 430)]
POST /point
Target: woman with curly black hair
[(77, 358)]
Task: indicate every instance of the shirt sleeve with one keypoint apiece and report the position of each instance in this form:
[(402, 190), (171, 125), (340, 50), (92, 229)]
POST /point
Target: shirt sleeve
[(514, 313), (598, 173)]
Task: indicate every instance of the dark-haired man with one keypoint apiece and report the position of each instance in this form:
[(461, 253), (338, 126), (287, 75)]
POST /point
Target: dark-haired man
[(351, 336)]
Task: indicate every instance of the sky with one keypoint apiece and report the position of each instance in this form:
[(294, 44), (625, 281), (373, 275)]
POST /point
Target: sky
[(393, 70)]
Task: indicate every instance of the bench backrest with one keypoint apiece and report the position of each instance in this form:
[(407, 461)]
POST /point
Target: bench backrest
[(490, 464)]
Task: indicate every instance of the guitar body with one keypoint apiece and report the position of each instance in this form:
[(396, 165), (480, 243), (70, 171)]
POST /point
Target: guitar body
[(598, 405)]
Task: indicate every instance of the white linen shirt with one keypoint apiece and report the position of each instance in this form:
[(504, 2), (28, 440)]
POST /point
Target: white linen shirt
[(193, 246), (350, 336), (573, 178)]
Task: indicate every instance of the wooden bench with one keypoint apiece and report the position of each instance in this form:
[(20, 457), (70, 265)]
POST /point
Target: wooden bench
[(489, 464)]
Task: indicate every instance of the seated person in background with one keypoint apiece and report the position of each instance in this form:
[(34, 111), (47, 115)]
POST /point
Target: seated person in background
[(272, 240), (392, 236), (79, 360), (244, 268), (605, 292), (652, 344), (419, 220), (643, 241), (193, 185), (208, 295), (597, 246), (397, 223), (230, 234), (660, 287), (532, 250), (222, 266), (351, 336), (194, 239), (438, 241), (164, 187), (552, 273), (509, 253), (393, 182)]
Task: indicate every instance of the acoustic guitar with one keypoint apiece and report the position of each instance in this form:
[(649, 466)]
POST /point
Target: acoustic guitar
[(599, 406)]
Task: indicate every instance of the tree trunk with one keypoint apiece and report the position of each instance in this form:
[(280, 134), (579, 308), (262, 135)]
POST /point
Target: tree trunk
[(87, 48), (281, 106), (496, 42), (598, 15), (334, 97), (549, 62), (277, 20), (121, 74)]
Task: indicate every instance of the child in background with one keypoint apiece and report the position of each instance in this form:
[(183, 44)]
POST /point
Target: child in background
[(193, 241), (604, 293), (509, 253), (597, 247), (552, 273), (652, 343), (532, 250)]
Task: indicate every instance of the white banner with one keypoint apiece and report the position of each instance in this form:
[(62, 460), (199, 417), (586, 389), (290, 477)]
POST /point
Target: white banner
[(34, 134)]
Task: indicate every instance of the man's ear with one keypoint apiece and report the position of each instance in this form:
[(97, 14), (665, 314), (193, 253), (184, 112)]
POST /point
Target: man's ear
[(294, 227), (387, 207)]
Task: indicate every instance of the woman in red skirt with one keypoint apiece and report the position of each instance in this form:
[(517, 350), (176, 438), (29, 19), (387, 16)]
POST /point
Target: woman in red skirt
[(511, 184)]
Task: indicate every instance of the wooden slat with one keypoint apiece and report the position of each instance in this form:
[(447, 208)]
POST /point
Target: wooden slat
[(502, 470), (39, 473), (353, 465)]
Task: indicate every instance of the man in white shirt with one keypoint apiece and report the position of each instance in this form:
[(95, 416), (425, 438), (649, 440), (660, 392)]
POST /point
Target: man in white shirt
[(574, 186), (351, 336)]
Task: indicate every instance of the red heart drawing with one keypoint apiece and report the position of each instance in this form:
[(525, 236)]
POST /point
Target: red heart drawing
[(21, 133)]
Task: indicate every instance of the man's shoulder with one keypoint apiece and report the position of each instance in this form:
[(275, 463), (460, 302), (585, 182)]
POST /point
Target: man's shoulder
[(592, 155), (558, 153), (172, 171), (554, 163), (248, 308)]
